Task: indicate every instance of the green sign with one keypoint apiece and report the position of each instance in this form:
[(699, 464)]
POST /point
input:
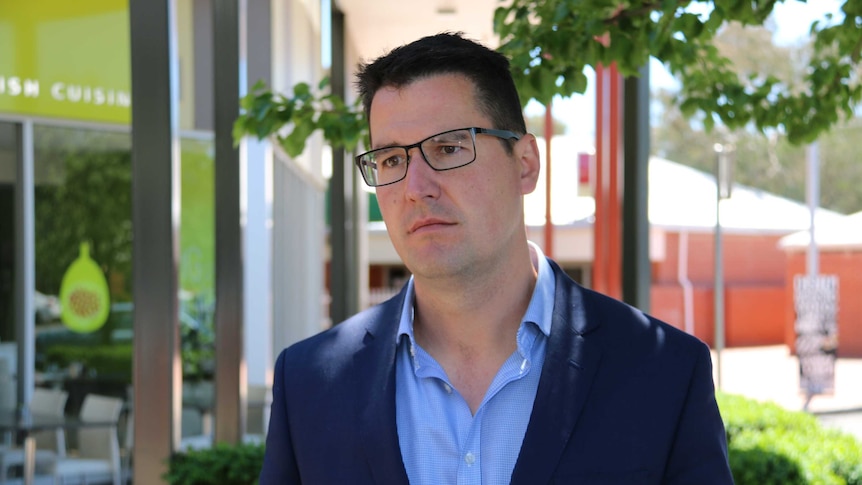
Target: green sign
[(63, 59)]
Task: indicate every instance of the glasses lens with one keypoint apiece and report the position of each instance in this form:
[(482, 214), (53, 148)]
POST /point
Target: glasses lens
[(449, 150), (445, 151), (384, 166), (367, 168)]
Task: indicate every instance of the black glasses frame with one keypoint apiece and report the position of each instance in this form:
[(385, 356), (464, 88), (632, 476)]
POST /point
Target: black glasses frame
[(474, 130)]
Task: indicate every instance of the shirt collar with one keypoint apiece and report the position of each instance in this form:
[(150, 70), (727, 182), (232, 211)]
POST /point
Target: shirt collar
[(542, 302)]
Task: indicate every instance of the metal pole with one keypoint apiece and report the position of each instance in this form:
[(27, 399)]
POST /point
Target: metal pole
[(156, 367), (25, 286), (343, 270), (718, 286), (812, 186), (230, 202), (636, 271), (25, 268)]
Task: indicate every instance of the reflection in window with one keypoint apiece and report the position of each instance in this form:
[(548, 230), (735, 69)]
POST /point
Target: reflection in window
[(83, 203), (9, 152), (84, 234)]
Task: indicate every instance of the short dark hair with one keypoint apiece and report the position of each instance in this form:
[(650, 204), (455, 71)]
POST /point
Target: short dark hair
[(448, 53)]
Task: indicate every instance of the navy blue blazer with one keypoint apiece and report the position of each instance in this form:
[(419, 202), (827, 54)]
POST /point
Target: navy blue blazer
[(623, 398)]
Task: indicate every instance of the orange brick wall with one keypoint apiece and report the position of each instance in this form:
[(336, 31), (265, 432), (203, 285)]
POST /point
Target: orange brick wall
[(848, 266), (748, 259), (752, 313), (667, 304), (754, 277)]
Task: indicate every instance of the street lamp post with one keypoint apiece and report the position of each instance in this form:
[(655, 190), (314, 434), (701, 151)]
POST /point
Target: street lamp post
[(723, 183)]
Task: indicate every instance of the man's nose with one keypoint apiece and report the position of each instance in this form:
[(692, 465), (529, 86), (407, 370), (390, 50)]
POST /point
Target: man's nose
[(420, 179)]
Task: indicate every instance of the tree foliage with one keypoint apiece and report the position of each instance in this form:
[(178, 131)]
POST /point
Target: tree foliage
[(768, 162), (295, 118), (550, 43), (771, 162)]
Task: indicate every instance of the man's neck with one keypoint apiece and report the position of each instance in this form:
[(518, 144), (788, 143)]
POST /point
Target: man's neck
[(470, 328)]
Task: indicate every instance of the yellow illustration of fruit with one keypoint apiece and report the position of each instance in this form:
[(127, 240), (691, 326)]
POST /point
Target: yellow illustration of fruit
[(84, 295)]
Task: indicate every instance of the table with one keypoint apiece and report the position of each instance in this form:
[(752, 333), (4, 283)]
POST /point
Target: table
[(15, 422)]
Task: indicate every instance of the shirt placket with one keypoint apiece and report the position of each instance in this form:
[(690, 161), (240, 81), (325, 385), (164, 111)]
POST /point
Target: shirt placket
[(470, 465)]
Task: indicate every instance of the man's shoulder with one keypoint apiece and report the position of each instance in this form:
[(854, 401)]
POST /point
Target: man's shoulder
[(622, 322)]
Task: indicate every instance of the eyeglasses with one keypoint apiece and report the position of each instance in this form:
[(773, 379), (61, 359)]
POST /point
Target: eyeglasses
[(443, 151)]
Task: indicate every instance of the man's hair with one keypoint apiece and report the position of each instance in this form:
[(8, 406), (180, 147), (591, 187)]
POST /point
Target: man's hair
[(448, 53)]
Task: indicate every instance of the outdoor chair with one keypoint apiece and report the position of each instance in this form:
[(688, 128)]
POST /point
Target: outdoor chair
[(49, 444), (98, 456)]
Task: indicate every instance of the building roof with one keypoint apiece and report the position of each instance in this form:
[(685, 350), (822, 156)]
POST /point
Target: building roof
[(680, 197), (832, 236), (380, 25)]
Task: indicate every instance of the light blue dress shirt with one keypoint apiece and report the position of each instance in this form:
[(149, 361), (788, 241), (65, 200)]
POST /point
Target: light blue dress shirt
[(441, 441)]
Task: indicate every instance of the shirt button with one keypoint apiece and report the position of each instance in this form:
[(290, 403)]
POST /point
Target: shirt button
[(470, 458), (448, 388)]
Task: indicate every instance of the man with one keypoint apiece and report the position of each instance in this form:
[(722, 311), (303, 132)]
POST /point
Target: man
[(491, 366)]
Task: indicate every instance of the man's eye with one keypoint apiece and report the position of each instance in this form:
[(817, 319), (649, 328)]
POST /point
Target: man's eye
[(393, 161), (449, 149)]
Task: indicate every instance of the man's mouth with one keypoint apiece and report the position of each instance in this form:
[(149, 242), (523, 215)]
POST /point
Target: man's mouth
[(427, 223)]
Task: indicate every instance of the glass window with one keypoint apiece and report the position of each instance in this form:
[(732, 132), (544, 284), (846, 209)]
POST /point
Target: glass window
[(83, 261), (9, 153)]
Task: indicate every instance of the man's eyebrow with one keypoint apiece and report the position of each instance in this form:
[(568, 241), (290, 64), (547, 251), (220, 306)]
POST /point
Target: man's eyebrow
[(391, 144), (388, 145)]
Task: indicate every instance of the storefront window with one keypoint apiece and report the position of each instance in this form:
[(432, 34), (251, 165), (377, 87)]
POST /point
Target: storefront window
[(197, 259), (84, 259), (83, 218), (9, 152)]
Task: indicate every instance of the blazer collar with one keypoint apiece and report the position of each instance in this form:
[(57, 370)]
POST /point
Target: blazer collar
[(375, 371), (567, 374)]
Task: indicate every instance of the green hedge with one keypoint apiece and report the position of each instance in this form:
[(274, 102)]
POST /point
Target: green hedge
[(768, 445), (221, 465), (112, 361)]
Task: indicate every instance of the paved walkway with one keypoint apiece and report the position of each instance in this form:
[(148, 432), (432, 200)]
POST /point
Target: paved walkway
[(771, 373)]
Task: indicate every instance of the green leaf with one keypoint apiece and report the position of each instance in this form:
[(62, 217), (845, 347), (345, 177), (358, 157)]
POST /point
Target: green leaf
[(301, 90)]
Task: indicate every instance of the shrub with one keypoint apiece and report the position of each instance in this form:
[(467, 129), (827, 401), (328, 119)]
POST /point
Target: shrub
[(220, 465), (768, 444), (112, 361)]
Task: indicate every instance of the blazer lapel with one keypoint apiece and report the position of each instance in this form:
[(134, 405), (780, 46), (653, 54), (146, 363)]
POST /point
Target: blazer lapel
[(567, 374), (375, 371)]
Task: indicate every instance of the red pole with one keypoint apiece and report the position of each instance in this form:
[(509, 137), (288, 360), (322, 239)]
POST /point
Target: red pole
[(615, 213), (607, 252), (549, 225), (599, 189)]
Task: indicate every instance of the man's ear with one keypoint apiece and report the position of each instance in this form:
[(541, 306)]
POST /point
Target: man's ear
[(526, 152)]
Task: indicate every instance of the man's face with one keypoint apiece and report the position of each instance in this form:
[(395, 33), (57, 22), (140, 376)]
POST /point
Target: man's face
[(460, 222)]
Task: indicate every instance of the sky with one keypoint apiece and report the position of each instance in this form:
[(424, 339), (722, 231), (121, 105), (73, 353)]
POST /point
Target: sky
[(792, 18)]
